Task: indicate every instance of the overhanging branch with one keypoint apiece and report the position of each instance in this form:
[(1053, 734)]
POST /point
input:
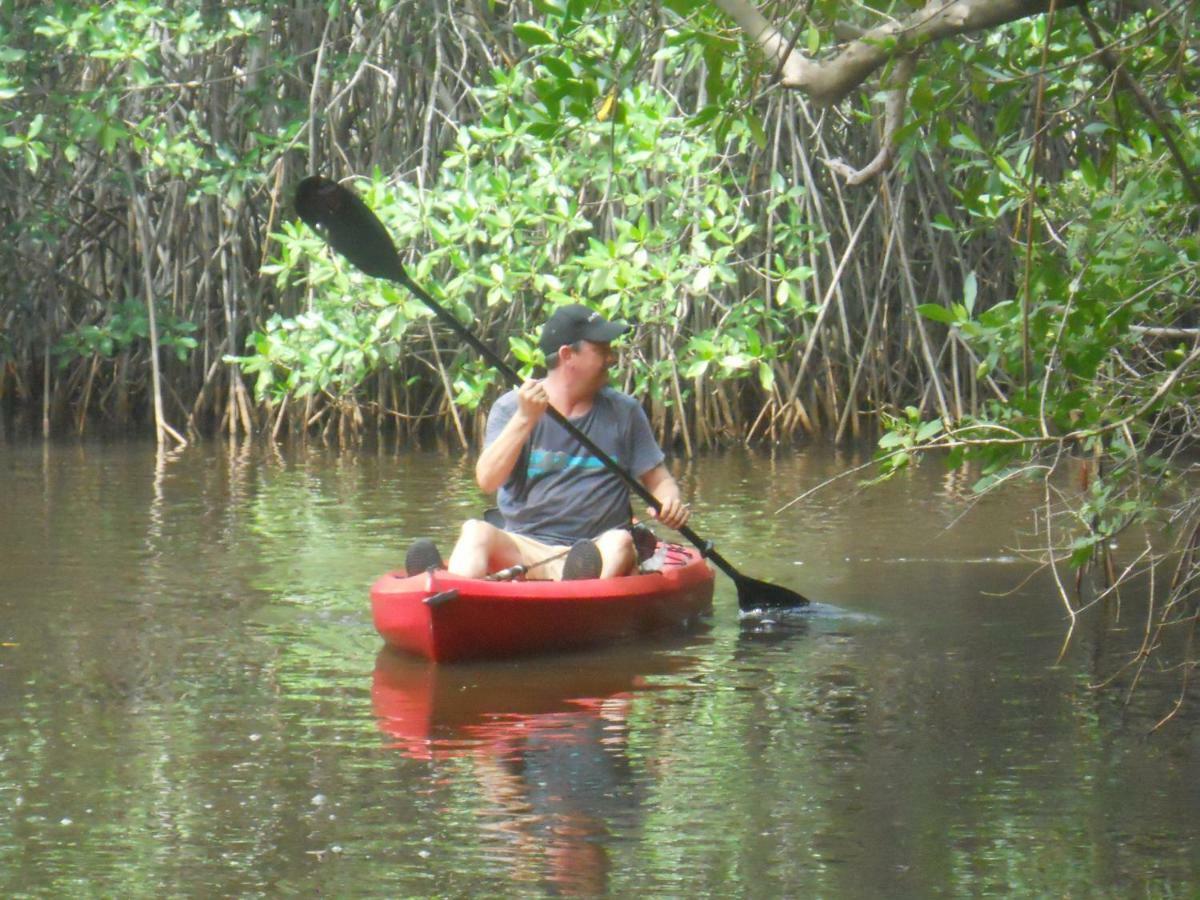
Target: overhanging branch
[(893, 120), (828, 81)]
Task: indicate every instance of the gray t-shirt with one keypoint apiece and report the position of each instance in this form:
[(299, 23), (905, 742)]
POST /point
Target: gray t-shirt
[(558, 492)]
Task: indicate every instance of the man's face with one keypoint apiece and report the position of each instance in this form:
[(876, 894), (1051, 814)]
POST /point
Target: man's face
[(593, 361)]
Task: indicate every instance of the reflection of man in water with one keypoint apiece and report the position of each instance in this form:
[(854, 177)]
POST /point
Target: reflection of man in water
[(548, 743), (561, 784)]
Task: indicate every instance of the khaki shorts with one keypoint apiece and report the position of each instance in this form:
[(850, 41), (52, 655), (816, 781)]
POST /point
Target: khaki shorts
[(532, 551)]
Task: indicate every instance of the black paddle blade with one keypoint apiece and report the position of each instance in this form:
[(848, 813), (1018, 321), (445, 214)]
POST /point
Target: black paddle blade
[(348, 226), (755, 594)]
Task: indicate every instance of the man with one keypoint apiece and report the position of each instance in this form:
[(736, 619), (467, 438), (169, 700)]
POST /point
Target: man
[(553, 494)]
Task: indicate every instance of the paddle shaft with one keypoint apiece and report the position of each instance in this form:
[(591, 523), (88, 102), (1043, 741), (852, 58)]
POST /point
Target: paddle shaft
[(514, 378)]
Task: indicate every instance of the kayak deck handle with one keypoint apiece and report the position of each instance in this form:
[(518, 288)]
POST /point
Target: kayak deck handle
[(441, 597)]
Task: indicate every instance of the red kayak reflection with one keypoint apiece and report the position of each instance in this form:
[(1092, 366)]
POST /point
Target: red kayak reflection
[(547, 741), (441, 711)]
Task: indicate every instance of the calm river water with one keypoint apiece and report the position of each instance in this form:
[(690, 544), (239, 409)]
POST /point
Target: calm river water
[(193, 701)]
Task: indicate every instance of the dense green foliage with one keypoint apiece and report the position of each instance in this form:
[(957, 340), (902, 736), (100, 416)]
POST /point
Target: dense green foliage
[(140, 142), (1095, 346), (512, 226)]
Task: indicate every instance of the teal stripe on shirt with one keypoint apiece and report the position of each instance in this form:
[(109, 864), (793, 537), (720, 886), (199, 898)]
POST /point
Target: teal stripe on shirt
[(543, 462)]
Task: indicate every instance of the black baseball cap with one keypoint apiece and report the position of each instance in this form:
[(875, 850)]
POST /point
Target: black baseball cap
[(576, 322)]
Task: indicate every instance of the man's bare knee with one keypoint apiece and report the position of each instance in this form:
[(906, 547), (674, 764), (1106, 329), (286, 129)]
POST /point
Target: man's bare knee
[(476, 531), (619, 540), (473, 550), (617, 551)]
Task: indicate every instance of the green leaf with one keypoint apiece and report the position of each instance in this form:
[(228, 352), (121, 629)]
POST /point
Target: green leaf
[(766, 376), (929, 430), (557, 67), (533, 34), (936, 312), (757, 132), (714, 59), (966, 139), (704, 116), (813, 40)]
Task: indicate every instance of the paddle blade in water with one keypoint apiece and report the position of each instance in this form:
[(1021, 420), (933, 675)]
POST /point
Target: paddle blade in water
[(348, 226), (755, 594), (752, 593)]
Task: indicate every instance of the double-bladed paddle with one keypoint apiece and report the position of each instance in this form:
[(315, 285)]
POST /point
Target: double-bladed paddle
[(349, 226)]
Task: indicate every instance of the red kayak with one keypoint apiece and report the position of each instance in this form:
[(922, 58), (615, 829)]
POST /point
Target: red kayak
[(446, 618)]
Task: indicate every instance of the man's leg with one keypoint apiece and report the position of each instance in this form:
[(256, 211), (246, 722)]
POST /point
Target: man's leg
[(479, 546), (484, 548), (617, 551)]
